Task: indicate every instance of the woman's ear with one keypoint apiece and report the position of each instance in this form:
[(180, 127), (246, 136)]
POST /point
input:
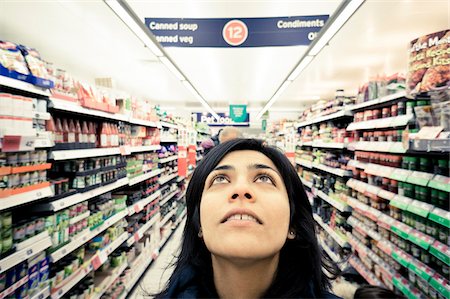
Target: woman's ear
[(291, 234)]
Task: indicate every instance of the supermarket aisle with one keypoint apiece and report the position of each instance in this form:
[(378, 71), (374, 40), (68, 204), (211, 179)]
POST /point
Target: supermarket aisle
[(156, 277)]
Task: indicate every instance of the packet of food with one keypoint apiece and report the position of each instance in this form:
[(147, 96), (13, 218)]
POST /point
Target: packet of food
[(11, 58)]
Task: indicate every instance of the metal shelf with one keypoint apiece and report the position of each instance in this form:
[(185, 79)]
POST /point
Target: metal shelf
[(82, 239), (165, 160), (74, 199), (72, 107), (26, 197), (84, 153), (376, 102), (139, 206), (167, 198), (140, 233), (24, 86), (341, 241), (144, 148), (144, 177), (344, 112), (167, 178), (34, 245), (388, 122), (107, 280), (168, 125), (304, 163)]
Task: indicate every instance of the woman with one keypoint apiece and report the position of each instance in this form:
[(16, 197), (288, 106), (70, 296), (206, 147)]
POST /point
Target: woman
[(249, 230)]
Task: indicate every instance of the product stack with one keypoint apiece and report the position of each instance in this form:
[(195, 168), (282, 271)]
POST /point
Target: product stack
[(381, 189), (97, 171)]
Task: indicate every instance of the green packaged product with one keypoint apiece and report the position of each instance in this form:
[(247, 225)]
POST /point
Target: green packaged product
[(413, 163), (434, 197), (7, 240), (6, 219)]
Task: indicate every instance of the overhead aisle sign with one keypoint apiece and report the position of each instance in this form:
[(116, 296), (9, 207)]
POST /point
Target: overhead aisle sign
[(238, 32), (223, 120)]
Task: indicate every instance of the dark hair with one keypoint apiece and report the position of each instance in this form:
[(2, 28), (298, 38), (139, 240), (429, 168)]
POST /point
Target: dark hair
[(374, 292), (300, 265)]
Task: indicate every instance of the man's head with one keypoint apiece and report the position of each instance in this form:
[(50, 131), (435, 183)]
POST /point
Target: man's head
[(229, 133)]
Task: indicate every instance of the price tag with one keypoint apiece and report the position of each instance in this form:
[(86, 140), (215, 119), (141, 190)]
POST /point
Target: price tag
[(440, 216), (400, 202), (397, 148), (136, 237), (441, 285), (18, 143), (400, 174), (440, 182), (386, 194), (419, 208), (441, 251), (419, 178), (137, 209), (372, 189)]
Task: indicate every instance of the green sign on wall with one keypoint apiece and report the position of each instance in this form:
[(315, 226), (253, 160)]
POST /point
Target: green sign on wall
[(238, 113)]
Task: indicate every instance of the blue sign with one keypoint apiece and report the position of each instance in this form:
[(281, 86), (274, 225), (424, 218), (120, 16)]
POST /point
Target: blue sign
[(223, 120), (238, 32)]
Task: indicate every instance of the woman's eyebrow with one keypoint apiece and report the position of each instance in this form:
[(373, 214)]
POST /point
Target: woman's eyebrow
[(224, 167), (262, 166)]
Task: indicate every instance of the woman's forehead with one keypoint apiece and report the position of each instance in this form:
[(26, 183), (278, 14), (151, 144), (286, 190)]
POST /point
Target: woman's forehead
[(244, 158)]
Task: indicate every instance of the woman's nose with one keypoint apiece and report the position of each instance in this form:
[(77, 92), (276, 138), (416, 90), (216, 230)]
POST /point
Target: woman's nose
[(243, 192)]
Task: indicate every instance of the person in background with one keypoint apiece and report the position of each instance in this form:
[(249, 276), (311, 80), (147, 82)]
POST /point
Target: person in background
[(229, 133), (223, 135), (375, 292), (249, 230)]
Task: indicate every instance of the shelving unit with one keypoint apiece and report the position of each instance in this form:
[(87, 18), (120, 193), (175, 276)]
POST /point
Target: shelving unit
[(339, 239), (104, 282), (26, 197), (139, 206), (144, 177), (140, 233)]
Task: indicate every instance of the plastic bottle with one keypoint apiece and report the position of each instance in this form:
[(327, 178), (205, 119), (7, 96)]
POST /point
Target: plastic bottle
[(92, 137), (50, 127), (71, 136), (103, 135), (65, 130), (78, 134), (85, 132), (59, 135)]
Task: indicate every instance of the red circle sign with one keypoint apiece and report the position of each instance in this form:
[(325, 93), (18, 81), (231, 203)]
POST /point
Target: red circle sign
[(235, 32)]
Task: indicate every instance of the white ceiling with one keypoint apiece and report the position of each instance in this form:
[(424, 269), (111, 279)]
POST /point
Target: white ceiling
[(88, 39)]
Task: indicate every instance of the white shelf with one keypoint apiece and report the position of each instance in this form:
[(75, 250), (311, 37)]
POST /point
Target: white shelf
[(335, 171), (374, 102), (388, 122), (180, 218), (145, 263), (341, 241), (140, 233), (144, 177), (379, 146), (167, 198), (169, 140), (79, 217), (108, 280), (76, 277), (145, 123), (72, 107), (13, 288), (139, 206), (304, 163), (41, 115), (74, 199), (334, 257), (168, 125), (167, 217), (165, 160), (82, 239), (167, 178), (43, 143), (335, 145), (306, 183), (84, 153), (146, 148), (26, 197), (37, 244), (24, 86), (337, 204), (42, 294), (336, 115)]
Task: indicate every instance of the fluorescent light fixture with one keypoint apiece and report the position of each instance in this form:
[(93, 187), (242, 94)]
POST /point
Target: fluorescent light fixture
[(337, 20), (166, 61), (133, 24), (205, 104), (300, 67), (340, 20), (274, 98)]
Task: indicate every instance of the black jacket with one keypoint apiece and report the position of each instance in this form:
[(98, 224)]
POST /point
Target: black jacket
[(189, 285)]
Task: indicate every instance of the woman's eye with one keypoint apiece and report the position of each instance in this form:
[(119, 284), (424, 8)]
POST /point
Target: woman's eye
[(220, 180), (264, 179)]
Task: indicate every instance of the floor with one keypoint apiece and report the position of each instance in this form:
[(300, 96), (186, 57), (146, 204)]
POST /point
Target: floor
[(159, 271)]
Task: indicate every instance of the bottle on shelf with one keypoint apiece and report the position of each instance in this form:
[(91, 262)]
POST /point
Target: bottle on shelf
[(78, 134), (85, 132)]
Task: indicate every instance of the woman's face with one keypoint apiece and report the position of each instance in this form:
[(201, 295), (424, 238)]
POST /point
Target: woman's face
[(244, 210)]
